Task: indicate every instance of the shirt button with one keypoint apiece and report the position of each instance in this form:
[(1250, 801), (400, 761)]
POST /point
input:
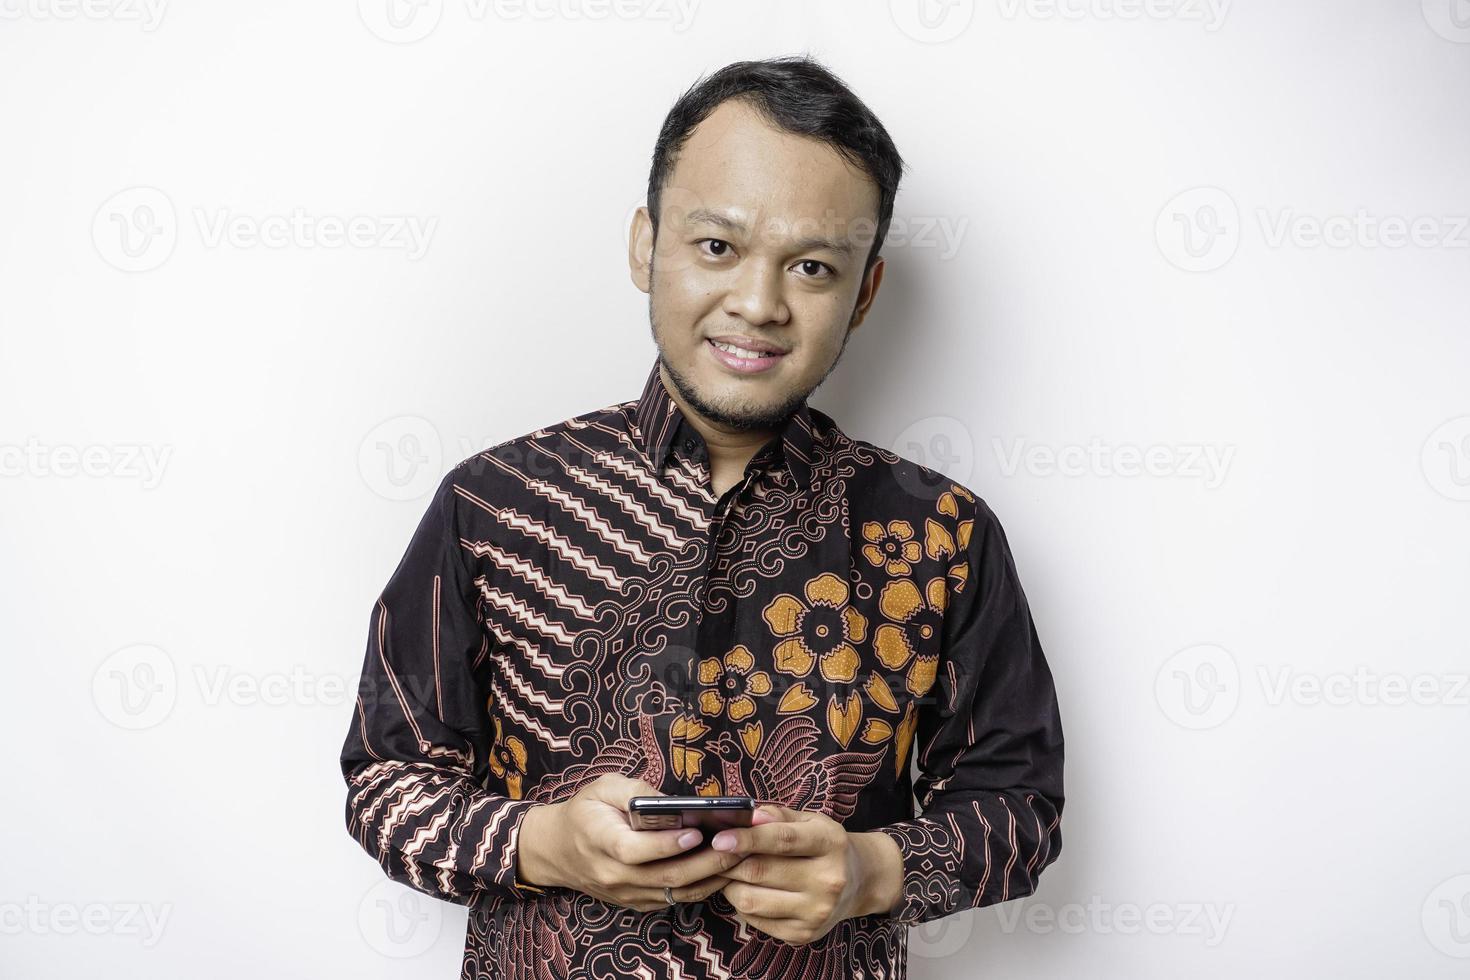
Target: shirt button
[(689, 445)]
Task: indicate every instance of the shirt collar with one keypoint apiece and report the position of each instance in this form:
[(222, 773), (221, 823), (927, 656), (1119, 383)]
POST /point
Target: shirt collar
[(658, 418)]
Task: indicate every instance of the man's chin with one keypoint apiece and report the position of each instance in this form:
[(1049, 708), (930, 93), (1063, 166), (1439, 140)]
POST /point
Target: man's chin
[(747, 402)]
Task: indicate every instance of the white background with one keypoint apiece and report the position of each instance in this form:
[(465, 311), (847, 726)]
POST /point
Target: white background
[(1109, 254)]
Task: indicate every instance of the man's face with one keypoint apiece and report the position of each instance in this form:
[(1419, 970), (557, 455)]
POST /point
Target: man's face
[(762, 238)]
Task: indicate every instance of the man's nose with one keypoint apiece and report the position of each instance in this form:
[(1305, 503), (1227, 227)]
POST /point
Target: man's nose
[(756, 295)]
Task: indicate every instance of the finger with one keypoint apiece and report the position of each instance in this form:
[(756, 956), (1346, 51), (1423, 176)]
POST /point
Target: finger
[(770, 903), (647, 898), (700, 890), (771, 871), (794, 838), (685, 868), (772, 812), (636, 847), (618, 790)]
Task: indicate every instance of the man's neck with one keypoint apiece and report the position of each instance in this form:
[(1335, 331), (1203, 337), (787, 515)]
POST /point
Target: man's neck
[(730, 450)]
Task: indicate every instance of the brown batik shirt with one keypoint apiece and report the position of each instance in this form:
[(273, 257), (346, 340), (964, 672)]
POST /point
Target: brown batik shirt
[(578, 601)]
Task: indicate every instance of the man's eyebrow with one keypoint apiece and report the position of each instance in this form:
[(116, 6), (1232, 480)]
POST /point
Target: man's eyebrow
[(807, 244), (813, 244), (719, 218)]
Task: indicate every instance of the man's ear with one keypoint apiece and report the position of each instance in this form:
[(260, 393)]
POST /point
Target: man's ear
[(640, 249), (866, 294)]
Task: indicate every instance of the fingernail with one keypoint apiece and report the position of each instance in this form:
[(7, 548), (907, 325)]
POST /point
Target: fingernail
[(723, 842), (689, 838)]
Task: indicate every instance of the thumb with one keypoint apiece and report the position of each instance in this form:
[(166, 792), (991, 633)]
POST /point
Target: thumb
[(773, 813), (618, 790)]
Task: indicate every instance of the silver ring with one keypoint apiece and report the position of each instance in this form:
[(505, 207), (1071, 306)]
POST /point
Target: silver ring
[(668, 895)]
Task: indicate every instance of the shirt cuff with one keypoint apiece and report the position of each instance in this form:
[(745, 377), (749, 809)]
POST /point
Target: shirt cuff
[(931, 870), (496, 836)]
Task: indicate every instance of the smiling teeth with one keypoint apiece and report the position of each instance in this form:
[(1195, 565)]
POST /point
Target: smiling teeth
[(750, 355)]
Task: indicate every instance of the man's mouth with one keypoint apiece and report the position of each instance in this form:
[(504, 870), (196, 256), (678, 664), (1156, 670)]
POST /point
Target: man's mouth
[(744, 354)]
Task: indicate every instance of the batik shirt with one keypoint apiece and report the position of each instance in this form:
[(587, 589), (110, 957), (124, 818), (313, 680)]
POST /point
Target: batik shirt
[(842, 630)]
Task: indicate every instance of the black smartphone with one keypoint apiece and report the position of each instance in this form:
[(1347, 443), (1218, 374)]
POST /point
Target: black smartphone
[(710, 813)]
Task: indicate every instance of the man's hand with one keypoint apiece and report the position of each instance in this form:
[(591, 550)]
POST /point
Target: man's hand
[(802, 872), (587, 843)]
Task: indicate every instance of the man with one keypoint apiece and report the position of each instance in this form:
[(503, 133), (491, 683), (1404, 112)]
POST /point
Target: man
[(711, 589)]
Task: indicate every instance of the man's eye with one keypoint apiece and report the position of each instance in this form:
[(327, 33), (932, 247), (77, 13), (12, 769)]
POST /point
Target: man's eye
[(812, 269), (717, 246)]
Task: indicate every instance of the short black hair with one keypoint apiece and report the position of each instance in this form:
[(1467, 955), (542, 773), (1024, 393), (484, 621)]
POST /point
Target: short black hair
[(798, 94)]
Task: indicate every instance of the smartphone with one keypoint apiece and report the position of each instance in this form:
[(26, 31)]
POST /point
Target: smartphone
[(710, 813)]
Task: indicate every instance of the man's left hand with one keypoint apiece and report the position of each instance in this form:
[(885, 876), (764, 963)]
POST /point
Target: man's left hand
[(801, 874)]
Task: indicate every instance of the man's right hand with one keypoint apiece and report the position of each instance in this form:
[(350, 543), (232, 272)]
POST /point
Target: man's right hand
[(587, 843)]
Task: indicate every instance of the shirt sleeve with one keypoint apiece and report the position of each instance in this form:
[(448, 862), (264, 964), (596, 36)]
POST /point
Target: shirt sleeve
[(416, 758), (989, 743)]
